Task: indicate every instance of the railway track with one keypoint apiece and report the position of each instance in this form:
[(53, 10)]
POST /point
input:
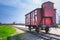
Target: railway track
[(42, 35)]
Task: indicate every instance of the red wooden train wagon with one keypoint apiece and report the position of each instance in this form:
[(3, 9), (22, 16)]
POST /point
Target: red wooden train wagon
[(41, 17)]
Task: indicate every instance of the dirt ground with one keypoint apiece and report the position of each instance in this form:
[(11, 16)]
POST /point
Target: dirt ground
[(55, 31), (18, 31)]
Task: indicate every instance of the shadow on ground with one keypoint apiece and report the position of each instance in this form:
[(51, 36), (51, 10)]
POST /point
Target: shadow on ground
[(16, 37)]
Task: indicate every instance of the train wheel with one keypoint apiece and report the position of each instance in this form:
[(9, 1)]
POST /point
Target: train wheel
[(30, 28), (47, 30), (37, 29), (42, 28), (33, 27)]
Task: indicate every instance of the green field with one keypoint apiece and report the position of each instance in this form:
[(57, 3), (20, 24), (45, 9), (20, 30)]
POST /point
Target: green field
[(5, 31), (59, 26)]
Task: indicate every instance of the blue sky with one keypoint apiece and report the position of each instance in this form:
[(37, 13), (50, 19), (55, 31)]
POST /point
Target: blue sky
[(15, 10)]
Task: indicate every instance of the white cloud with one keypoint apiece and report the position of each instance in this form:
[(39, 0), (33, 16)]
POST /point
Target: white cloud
[(37, 1)]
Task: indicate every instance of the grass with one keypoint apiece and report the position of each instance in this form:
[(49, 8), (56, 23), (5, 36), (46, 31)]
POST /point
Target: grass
[(59, 26), (17, 37), (5, 31)]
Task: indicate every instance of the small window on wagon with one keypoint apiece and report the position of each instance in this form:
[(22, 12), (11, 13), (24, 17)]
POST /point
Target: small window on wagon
[(48, 4)]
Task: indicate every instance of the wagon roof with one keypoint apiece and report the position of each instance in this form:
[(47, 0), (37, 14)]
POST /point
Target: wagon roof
[(33, 11)]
